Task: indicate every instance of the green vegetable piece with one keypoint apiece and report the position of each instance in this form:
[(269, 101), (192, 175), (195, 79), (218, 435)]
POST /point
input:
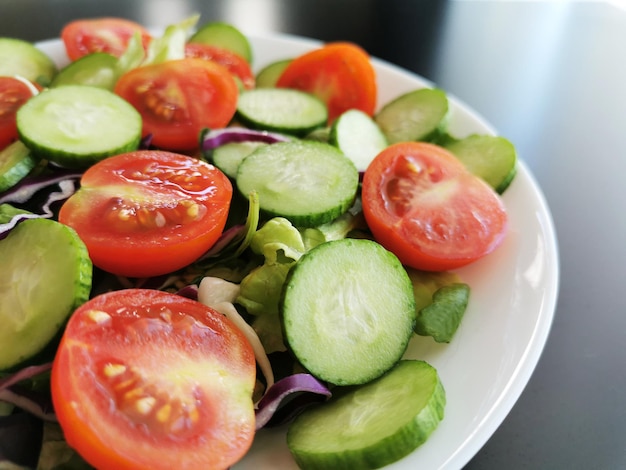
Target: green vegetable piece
[(348, 311), (77, 125), (284, 110), (227, 157), (7, 212), (492, 158), (97, 69), (442, 317), (19, 57), (16, 162), (309, 183), (372, 425), (268, 76), (358, 136), (417, 115), (171, 45), (425, 284), (224, 35), (46, 274)]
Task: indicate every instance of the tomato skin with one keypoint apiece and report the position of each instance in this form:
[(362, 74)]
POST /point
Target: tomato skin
[(107, 34), (338, 73), (13, 94), (147, 213), (177, 99), (236, 64), (148, 379), (423, 205)]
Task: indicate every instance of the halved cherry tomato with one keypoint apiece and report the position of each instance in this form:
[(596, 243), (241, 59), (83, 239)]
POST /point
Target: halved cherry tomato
[(145, 379), (111, 35), (423, 205), (13, 94), (236, 64), (177, 99), (147, 213), (339, 73)]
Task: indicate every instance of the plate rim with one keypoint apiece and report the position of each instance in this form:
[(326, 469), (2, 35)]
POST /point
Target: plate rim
[(533, 350)]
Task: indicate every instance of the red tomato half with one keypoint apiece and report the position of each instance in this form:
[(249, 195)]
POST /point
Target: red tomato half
[(340, 74), (147, 213), (111, 35), (13, 94), (144, 379), (236, 64), (423, 205), (177, 99)]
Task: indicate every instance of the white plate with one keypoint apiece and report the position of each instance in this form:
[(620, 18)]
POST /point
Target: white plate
[(513, 297)]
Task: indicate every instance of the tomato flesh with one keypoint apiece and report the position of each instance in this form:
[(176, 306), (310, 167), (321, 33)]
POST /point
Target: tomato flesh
[(13, 94), (236, 64), (148, 379), (177, 99), (339, 73), (423, 205), (147, 213), (110, 35)]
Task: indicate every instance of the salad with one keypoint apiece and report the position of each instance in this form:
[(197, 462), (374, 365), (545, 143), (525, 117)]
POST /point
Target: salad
[(303, 230)]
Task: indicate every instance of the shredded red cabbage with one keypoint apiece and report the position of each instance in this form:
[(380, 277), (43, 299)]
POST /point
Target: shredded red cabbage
[(288, 397), (38, 194), (211, 139)]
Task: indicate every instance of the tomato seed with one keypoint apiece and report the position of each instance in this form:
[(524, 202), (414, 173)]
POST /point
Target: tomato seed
[(98, 316)]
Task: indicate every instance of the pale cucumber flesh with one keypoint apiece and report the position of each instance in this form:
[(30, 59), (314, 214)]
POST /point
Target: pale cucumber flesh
[(46, 274), (348, 311), (310, 183), (77, 125), (372, 425)]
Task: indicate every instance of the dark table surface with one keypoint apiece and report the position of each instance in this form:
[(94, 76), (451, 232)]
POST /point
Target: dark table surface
[(551, 77)]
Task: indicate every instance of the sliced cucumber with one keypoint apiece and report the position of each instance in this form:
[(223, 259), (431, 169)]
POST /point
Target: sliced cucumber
[(417, 115), (97, 69), (19, 57), (281, 110), (372, 425), (229, 156), (76, 125), (224, 35), (348, 311), (46, 274), (310, 183), (358, 136), (268, 75), (442, 317), (493, 158), (16, 161)]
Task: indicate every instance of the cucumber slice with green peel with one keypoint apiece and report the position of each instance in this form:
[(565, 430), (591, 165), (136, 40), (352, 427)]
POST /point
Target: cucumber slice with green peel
[(417, 115), (98, 69), (358, 136), (224, 35), (229, 156), (268, 75), (493, 158), (348, 311), (442, 317), (46, 274), (372, 425), (21, 58), (16, 162), (283, 110), (76, 126), (309, 183)]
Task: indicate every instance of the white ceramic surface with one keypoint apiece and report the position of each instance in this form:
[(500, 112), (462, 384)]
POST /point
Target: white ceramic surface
[(513, 298)]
